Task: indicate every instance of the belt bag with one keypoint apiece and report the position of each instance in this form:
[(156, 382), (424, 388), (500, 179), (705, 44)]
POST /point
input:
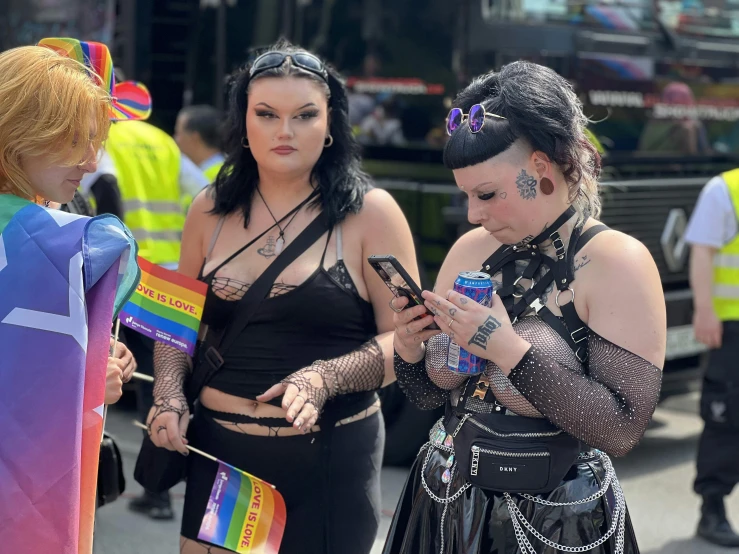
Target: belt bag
[(511, 454)]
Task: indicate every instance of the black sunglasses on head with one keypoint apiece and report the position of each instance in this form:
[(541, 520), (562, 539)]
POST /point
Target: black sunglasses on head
[(303, 60)]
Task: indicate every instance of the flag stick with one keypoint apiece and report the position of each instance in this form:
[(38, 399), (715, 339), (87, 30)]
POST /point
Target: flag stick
[(112, 352), (206, 455), (142, 377)]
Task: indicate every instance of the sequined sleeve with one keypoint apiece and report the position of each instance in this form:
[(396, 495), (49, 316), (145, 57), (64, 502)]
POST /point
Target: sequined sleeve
[(416, 384), (608, 409)]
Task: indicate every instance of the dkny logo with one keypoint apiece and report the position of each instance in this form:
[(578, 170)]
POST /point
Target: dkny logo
[(507, 469)]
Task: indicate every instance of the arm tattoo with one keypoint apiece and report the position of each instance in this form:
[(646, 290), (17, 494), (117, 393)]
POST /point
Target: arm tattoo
[(526, 185), (484, 331), (582, 263)]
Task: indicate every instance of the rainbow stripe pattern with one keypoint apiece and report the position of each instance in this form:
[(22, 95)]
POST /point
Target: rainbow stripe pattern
[(131, 99), (167, 307), (244, 514), (55, 323)]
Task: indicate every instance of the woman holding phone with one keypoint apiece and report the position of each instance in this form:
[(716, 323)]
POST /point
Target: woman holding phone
[(573, 339), (294, 400)]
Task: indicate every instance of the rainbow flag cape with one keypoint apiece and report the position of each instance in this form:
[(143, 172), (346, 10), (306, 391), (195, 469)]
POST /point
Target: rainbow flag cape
[(63, 277), (244, 514), (167, 307)]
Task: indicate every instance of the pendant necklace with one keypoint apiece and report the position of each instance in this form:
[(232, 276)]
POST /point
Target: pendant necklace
[(280, 243)]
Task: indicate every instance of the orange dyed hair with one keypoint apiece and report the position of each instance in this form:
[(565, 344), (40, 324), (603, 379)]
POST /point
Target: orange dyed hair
[(48, 103)]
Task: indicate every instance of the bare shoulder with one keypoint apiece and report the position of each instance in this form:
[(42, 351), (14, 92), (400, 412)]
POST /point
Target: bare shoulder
[(199, 226), (614, 251), (202, 204), (474, 247), (378, 208), (467, 254), (623, 294)]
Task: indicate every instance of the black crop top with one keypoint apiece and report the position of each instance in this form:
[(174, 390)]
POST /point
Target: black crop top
[(322, 318)]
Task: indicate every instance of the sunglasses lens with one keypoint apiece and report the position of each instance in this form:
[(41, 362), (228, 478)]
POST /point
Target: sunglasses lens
[(307, 61), (453, 120), (268, 60), (477, 118)]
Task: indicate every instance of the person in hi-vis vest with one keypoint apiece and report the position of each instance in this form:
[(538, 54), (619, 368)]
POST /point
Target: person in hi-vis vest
[(713, 235), (153, 177), (198, 132)]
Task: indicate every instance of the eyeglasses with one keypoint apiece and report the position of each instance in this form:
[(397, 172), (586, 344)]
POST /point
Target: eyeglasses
[(303, 60), (475, 119)]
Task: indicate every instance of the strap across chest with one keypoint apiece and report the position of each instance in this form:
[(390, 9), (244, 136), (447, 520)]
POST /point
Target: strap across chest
[(559, 270)]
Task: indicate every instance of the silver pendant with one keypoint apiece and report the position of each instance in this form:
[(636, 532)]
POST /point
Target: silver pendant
[(278, 245)]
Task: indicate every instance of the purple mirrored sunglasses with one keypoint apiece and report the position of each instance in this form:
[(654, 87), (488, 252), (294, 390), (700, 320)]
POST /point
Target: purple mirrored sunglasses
[(475, 119)]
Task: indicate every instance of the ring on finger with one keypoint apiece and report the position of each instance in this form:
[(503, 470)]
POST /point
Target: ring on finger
[(451, 322), (393, 308)]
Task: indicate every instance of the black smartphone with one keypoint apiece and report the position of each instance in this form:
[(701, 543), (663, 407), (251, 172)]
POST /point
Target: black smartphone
[(398, 281)]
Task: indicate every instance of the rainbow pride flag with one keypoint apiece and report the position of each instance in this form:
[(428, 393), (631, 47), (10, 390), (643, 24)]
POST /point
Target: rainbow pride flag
[(244, 514), (167, 307), (64, 278)]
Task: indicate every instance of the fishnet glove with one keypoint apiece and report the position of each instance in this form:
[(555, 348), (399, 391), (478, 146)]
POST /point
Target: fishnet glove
[(609, 409), (171, 368), (307, 391)]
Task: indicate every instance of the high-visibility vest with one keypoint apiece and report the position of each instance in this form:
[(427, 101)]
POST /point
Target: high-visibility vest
[(147, 163), (212, 172), (726, 263)]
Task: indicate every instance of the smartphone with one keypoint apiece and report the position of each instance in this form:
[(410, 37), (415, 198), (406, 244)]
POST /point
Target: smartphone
[(399, 282)]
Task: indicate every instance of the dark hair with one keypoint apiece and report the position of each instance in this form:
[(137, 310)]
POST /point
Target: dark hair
[(207, 122), (341, 182), (539, 107)]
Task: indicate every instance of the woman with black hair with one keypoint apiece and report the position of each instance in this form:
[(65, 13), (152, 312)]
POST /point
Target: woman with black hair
[(573, 340), (289, 395)]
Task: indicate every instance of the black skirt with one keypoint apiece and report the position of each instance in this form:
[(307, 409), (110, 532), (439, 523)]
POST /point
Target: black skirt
[(479, 522), (330, 481)]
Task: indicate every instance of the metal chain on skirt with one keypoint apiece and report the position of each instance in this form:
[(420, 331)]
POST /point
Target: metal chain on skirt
[(438, 440)]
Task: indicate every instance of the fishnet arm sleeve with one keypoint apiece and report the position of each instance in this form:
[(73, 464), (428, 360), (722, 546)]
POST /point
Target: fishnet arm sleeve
[(171, 368), (361, 370), (609, 409), (421, 381)]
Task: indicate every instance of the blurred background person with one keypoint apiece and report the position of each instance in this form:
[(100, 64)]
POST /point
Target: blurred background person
[(714, 256), (198, 133), (683, 133)]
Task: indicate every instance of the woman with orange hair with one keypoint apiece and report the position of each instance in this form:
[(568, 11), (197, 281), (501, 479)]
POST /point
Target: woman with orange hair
[(63, 277), (54, 118)]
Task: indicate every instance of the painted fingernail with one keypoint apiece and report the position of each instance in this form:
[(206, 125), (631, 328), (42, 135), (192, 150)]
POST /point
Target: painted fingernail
[(298, 423)]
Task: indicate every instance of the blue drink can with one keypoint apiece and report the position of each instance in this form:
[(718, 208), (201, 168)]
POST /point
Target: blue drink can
[(479, 287)]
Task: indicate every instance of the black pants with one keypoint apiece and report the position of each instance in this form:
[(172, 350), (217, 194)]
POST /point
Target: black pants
[(330, 481), (718, 450)]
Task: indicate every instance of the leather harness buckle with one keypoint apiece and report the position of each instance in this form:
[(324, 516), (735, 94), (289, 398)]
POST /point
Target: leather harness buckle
[(481, 387), (214, 358), (582, 338)]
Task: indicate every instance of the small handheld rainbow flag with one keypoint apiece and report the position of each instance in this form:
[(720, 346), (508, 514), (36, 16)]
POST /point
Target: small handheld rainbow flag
[(167, 307), (244, 514)]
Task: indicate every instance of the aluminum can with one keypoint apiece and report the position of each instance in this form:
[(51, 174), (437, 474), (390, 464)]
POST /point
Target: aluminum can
[(479, 287)]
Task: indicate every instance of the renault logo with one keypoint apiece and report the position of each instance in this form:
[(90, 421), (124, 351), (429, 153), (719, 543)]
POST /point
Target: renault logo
[(673, 244)]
